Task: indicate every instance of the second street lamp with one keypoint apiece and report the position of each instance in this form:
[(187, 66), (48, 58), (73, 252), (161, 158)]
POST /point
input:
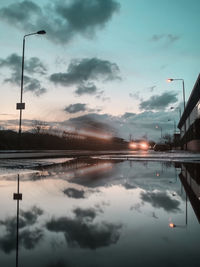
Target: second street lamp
[(159, 127), (183, 84), (20, 106)]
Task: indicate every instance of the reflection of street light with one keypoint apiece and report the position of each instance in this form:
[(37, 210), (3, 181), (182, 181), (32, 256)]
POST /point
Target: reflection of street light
[(171, 80), (158, 127), (21, 105)]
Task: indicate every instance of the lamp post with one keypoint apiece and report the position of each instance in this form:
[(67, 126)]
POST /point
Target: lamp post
[(183, 84), (179, 109), (158, 127), (174, 124), (20, 106)]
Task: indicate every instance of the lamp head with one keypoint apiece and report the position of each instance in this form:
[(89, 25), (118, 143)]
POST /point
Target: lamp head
[(41, 32), (170, 80)]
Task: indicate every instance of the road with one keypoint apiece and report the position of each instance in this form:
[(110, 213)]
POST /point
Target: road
[(174, 155)]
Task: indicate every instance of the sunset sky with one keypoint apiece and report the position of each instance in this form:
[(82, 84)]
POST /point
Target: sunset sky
[(101, 60)]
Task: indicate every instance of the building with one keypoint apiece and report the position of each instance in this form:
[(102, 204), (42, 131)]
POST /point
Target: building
[(189, 123)]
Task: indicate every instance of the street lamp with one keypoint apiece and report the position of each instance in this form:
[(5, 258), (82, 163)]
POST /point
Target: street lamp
[(20, 106), (171, 80), (174, 124)]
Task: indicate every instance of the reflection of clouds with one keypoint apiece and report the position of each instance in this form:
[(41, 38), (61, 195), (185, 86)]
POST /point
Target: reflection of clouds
[(137, 207), (81, 231), (87, 215), (161, 200), (74, 193), (29, 239), (30, 217)]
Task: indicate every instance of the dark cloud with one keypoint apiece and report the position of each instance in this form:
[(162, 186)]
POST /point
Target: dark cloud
[(74, 108), (159, 102), (169, 38), (32, 66), (81, 230), (86, 89), (94, 122), (161, 200), (74, 193), (19, 14), (63, 20), (85, 70)]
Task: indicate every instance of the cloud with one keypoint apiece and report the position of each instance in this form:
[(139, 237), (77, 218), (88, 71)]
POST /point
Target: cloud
[(31, 66), (85, 70), (161, 200), (74, 108), (89, 89), (82, 232), (19, 14), (74, 193), (63, 20), (121, 126), (93, 122), (167, 38), (159, 102)]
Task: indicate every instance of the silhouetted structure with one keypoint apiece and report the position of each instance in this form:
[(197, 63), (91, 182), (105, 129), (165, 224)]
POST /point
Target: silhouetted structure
[(189, 123)]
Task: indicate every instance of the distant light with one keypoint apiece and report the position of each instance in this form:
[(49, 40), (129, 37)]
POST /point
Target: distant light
[(132, 145), (144, 145), (157, 174), (170, 80), (172, 225)]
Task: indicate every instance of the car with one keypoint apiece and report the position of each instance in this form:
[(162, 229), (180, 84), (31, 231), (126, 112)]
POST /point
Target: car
[(161, 147), (139, 145)]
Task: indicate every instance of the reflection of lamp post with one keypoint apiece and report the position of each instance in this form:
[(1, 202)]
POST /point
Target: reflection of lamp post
[(158, 127), (173, 225), (183, 84), (17, 196), (21, 105)]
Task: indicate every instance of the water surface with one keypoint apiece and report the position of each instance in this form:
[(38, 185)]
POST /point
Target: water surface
[(92, 212)]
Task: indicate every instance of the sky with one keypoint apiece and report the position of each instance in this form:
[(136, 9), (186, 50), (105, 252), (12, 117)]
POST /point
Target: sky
[(102, 64)]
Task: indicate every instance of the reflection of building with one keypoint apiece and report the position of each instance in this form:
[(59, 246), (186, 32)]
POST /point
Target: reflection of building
[(190, 178), (189, 123)]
